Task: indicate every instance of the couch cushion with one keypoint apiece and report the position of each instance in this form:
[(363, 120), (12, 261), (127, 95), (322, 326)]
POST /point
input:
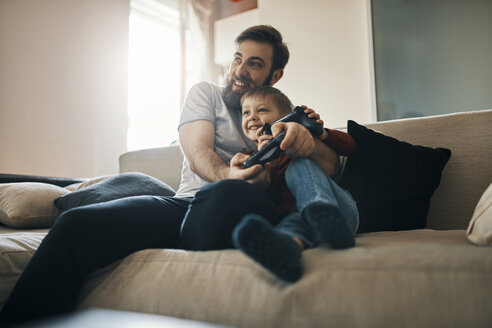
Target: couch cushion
[(118, 186), (416, 278), (16, 249), (391, 181), (29, 204), (163, 163), (480, 228)]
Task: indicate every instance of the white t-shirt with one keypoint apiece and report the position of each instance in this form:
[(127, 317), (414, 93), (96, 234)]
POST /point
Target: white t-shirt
[(204, 102)]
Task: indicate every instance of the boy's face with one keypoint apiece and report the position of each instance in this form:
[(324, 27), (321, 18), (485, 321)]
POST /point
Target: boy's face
[(256, 111)]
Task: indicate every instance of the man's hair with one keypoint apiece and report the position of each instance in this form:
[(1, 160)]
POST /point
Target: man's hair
[(282, 101), (267, 34)]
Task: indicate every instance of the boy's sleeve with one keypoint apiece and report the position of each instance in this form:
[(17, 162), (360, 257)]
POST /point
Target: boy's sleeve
[(341, 142)]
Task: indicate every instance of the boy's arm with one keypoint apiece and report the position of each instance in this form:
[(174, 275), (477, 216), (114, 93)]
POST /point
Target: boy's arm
[(339, 141)]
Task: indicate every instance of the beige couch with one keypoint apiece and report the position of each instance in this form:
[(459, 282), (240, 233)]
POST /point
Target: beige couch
[(432, 277)]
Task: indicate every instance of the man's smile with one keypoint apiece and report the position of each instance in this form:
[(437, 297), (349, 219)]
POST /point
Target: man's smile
[(240, 83)]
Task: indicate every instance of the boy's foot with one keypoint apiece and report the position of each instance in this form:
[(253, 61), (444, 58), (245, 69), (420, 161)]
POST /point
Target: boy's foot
[(329, 225), (276, 252)]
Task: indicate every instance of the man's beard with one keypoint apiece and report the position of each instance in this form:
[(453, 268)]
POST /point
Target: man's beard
[(232, 99)]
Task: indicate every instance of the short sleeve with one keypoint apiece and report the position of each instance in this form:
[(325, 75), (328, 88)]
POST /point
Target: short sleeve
[(199, 104)]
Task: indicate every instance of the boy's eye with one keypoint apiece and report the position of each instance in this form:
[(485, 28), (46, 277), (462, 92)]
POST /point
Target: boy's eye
[(245, 113), (262, 109)]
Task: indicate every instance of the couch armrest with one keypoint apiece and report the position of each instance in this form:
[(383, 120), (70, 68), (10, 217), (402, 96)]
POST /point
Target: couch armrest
[(61, 182), (163, 163)]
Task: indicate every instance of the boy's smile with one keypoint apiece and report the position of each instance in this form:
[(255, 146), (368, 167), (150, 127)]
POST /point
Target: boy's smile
[(256, 112)]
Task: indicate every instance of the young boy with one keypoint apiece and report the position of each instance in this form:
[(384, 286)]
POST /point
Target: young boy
[(315, 210)]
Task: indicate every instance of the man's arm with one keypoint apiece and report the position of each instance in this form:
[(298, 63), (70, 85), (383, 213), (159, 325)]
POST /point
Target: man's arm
[(299, 142), (197, 142), (326, 158)]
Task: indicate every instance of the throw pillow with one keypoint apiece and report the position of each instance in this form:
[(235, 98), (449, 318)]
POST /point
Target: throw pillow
[(29, 204), (119, 186), (86, 183), (480, 228), (391, 181)]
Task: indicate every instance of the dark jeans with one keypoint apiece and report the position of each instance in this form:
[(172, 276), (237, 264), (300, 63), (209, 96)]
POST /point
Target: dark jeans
[(217, 208), (88, 238)]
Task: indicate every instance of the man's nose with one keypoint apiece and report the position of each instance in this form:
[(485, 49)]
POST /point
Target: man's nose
[(242, 70)]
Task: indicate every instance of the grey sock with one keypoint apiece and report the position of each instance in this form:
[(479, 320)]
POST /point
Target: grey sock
[(275, 251), (329, 225)]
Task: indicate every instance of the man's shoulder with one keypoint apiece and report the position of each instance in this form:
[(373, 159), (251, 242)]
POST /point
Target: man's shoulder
[(205, 86)]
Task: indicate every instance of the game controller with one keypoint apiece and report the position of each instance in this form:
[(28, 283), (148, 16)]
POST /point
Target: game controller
[(272, 150)]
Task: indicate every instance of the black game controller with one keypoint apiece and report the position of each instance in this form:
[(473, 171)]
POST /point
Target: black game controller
[(272, 150)]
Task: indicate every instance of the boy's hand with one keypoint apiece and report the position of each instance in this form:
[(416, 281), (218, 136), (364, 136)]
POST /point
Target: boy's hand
[(263, 140), (311, 113), (256, 174)]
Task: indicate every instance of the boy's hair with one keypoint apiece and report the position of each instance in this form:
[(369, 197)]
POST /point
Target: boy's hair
[(267, 34), (282, 101)]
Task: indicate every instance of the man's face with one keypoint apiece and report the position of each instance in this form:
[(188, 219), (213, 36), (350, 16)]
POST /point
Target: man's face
[(256, 111), (251, 67)]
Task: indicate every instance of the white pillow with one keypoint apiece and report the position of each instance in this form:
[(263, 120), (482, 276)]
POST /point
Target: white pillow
[(29, 204), (480, 228)]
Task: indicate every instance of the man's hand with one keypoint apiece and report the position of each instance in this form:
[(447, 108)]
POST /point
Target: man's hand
[(298, 141), (256, 174)]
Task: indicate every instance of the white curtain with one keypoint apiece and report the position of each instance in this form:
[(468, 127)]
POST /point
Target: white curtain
[(196, 42)]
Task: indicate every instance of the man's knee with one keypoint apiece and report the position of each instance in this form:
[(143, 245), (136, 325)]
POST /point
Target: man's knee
[(217, 208), (225, 189)]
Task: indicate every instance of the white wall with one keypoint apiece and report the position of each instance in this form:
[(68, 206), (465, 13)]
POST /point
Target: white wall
[(330, 68), (63, 86)]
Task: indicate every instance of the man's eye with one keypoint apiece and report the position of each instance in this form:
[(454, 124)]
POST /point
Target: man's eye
[(255, 64), (237, 59)]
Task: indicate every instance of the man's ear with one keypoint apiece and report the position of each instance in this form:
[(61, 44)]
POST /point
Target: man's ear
[(277, 75)]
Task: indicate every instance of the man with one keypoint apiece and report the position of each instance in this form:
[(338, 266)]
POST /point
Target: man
[(88, 238), (259, 60)]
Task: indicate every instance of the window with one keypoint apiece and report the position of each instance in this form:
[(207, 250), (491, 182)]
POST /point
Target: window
[(154, 73), (432, 57)]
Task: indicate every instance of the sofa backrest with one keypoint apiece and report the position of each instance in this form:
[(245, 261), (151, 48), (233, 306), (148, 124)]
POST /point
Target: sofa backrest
[(163, 163), (466, 176)]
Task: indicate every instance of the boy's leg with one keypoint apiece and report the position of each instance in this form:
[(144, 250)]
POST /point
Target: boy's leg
[(87, 238), (275, 251), (217, 208), (329, 209)]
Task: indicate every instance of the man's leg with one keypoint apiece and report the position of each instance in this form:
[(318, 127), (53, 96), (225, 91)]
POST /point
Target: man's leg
[(327, 208), (217, 208), (85, 239)]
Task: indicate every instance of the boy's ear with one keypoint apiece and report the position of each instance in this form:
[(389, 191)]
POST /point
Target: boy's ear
[(277, 75)]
